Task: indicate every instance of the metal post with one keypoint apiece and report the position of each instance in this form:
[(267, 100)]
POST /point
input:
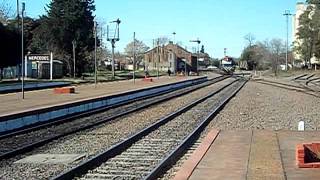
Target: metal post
[(113, 41), (185, 67), (198, 59), (287, 14), (22, 50), (51, 66), (287, 43), (158, 48), (134, 57), (198, 55), (113, 72), (113, 46), (95, 54), (74, 58)]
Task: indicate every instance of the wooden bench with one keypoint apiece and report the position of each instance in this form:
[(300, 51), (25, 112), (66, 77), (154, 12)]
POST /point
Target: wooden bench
[(64, 90)]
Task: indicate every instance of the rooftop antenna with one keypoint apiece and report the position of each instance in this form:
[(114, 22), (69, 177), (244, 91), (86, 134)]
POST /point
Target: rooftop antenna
[(113, 38)]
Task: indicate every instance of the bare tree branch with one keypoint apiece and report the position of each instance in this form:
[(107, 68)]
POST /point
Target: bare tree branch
[(6, 11), (250, 38)]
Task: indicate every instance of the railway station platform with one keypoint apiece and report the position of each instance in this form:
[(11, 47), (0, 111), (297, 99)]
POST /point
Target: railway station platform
[(13, 103), (29, 86), (50, 105), (252, 154)]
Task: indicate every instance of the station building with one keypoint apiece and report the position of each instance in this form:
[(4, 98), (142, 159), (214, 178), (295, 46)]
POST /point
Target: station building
[(170, 57), (38, 67)]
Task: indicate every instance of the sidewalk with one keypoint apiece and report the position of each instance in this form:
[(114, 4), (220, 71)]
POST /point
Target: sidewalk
[(12, 103)]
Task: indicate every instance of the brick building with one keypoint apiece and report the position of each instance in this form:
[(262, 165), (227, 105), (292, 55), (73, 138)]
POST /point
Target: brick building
[(170, 56)]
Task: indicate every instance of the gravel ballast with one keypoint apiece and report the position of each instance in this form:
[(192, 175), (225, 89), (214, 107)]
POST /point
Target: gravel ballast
[(93, 141), (260, 106)]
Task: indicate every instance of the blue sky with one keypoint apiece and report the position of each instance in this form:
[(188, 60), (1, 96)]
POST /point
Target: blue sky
[(219, 24)]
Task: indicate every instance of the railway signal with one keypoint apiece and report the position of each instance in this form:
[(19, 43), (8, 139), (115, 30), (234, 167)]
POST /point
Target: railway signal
[(198, 55), (113, 39)]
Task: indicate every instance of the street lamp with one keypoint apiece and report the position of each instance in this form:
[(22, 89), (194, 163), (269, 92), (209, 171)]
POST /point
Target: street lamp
[(287, 14), (197, 41), (22, 50)]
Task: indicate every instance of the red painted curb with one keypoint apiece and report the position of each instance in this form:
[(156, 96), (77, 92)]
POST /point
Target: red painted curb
[(189, 166), (64, 90), (147, 79)]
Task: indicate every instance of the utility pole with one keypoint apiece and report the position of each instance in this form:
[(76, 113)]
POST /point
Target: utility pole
[(22, 50), (113, 39), (74, 58), (158, 48), (153, 61), (18, 17), (18, 27), (95, 54), (287, 14), (134, 57), (198, 55)]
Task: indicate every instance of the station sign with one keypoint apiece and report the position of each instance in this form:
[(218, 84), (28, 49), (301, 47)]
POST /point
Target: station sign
[(38, 57)]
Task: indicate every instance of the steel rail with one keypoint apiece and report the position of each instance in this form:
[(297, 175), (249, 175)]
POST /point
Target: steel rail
[(34, 145), (188, 141), (126, 143), (88, 113)]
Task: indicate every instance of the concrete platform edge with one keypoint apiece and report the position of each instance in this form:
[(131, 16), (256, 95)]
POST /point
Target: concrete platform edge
[(19, 120), (188, 167)]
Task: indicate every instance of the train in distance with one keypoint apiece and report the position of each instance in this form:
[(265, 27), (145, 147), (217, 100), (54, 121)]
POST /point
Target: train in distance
[(228, 64)]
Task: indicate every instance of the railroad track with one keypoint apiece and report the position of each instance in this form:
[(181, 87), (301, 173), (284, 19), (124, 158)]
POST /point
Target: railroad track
[(302, 88), (147, 153), (26, 140), (309, 82)]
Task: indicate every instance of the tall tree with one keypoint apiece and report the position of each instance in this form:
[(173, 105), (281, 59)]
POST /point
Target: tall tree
[(5, 11), (264, 55), (249, 52), (69, 20), (277, 50), (9, 49), (308, 43), (140, 49), (30, 25), (250, 38), (163, 40)]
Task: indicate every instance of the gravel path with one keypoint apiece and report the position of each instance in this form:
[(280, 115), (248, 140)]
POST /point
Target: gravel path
[(260, 106), (93, 141)]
